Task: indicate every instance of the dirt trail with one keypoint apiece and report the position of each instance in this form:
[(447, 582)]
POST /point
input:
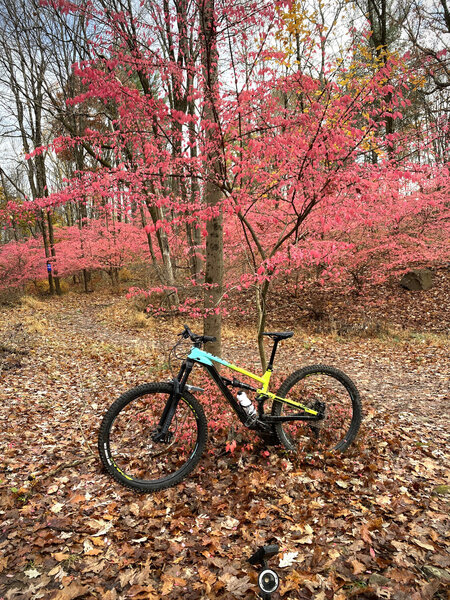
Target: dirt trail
[(86, 320)]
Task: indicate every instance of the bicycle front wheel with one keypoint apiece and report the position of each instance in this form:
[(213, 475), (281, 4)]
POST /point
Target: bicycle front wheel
[(326, 390), (125, 442)]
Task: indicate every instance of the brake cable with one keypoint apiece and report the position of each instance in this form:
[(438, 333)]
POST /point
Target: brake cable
[(172, 351)]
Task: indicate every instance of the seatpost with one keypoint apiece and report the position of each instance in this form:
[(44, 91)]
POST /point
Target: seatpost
[(272, 356)]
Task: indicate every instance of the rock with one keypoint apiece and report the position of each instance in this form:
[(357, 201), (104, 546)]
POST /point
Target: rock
[(436, 572), (441, 490), (379, 580), (418, 279)]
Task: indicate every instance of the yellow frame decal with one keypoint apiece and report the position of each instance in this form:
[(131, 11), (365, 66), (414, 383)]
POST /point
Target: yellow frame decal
[(289, 401), (265, 380)]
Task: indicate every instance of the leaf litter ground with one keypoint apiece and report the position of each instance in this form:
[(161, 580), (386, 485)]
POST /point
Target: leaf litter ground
[(372, 523)]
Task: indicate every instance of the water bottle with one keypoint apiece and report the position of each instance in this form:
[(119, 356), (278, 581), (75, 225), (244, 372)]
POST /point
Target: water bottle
[(247, 405)]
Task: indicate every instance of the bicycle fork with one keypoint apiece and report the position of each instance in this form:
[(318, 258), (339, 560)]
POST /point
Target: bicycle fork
[(162, 433)]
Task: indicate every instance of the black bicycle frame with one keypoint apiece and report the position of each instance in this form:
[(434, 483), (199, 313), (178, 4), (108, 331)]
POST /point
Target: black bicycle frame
[(180, 382)]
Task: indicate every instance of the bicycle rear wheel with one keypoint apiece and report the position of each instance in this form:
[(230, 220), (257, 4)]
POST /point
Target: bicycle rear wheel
[(125, 442), (321, 388)]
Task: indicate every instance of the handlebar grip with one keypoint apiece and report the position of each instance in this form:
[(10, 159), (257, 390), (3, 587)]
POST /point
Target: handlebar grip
[(187, 333)]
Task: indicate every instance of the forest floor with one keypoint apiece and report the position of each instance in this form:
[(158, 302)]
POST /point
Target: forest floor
[(372, 523)]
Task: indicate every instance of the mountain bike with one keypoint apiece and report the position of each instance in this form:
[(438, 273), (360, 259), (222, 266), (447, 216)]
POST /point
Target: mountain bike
[(153, 435)]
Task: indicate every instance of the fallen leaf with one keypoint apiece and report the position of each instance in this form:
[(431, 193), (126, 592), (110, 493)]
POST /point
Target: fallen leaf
[(342, 484), (288, 559), (236, 585), (358, 567), (230, 523), (74, 590), (134, 509), (59, 556), (424, 545), (56, 508), (32, 573)]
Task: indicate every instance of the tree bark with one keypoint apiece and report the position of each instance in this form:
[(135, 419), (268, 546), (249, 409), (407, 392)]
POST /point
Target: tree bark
[(51, 239), (261, 297), (51, 285), (212, 194), (194, 236)]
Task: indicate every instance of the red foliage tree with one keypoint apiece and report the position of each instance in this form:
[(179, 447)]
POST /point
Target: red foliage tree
[(106, 246), (21, 262)]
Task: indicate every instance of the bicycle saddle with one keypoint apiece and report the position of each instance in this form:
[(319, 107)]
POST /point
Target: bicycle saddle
[(279, 335)]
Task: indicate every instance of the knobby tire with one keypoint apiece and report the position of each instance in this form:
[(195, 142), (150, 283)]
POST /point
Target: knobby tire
[(127, 450), (343, 413)]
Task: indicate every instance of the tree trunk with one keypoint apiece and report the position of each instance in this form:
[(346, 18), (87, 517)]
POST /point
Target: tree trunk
[(157, 214), (51, 285), (214, 241), (194, 235), (214, 277), (149, 242), (51, 239), (378, 15), (261, 297)]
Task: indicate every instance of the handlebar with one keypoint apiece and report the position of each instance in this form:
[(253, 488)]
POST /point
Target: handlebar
[(196, 339)]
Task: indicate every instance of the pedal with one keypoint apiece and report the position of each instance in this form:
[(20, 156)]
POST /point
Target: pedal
[(194, 388)]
